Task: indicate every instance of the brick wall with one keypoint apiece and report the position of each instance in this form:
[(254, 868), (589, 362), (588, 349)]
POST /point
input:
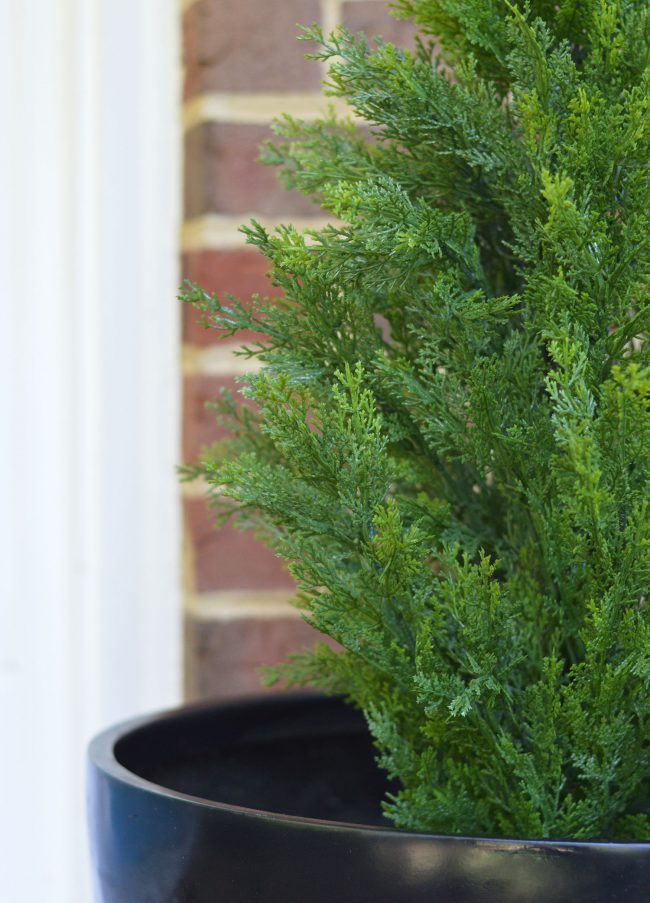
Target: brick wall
[(243, 66)]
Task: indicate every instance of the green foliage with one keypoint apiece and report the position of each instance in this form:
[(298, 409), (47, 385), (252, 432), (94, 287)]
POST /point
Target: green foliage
[(448, 440)]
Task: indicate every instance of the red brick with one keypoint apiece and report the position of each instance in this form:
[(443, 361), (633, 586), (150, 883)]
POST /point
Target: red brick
[(222, 657), (229, 559), (200, 427), (373, 18), (248, 45), (241, 272), (223, 175)]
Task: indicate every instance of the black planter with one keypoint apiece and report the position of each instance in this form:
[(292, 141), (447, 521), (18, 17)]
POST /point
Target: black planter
[(277, 801)]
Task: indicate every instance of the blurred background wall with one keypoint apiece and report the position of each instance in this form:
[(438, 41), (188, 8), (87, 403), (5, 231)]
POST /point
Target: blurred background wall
[(107, 567), (242, 67)]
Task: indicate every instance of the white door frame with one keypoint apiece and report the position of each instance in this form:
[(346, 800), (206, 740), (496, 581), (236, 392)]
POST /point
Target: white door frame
[(90, 602)]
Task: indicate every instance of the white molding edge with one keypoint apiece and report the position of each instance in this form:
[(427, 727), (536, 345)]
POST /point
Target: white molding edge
[(90, 598)]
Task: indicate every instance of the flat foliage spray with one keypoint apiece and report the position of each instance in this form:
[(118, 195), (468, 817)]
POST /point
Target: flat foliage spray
[(447, 436)]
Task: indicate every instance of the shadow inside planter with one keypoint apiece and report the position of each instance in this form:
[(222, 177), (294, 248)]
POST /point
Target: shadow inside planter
[(301, 760)]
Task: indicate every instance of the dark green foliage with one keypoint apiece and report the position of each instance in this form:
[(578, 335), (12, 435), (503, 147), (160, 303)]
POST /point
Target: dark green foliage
[(450, 436)]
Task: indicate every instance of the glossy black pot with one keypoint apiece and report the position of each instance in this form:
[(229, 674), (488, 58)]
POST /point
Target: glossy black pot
[(277, 801)]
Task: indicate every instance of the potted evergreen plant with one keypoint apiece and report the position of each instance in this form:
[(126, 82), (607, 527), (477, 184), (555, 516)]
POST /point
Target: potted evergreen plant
[(448, 442)]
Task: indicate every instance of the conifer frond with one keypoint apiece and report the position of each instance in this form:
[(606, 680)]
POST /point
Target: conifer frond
[(449, 440)]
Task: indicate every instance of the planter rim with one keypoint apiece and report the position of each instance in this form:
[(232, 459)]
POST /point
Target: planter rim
[(101, 753)]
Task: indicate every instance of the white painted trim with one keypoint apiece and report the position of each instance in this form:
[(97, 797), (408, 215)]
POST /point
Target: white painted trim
[(90, 602)]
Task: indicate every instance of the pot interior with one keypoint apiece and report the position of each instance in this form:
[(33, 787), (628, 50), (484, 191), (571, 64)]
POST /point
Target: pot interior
[(298, 758)]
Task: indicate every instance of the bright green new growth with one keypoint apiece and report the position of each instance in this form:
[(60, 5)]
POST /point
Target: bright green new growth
[(450, 442)]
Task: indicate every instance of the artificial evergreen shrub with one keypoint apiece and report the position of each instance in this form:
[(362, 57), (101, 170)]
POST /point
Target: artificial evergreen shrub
[(449, 441)]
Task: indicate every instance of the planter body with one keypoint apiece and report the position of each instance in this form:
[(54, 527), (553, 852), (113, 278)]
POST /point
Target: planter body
[(277, 801)]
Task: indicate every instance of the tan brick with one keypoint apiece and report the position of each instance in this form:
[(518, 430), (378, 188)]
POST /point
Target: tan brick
[(223, 174), (247, 45), (219, 232)]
